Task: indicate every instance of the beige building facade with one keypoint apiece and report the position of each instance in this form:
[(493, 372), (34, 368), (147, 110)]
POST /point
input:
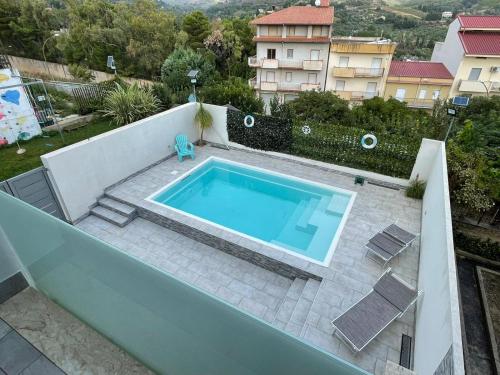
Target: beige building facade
[(358, 67)]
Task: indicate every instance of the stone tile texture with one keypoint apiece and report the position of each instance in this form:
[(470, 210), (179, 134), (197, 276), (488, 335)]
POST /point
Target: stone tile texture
[(262, 292)]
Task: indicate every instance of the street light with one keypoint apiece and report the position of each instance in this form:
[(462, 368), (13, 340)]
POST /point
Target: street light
[(486, 88), (56, 34), (192, 75)]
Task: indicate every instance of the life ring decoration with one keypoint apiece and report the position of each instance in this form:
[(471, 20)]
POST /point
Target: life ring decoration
[(369, 145), (249, 121), (306, 129)]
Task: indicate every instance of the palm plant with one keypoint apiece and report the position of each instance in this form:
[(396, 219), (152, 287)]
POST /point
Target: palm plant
[(204, 120), (129, 104)]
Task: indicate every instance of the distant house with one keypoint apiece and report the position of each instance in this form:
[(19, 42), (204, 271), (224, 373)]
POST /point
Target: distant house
[(418, 83), (292, 51), (446, 15), (358, 67), (471, 52)]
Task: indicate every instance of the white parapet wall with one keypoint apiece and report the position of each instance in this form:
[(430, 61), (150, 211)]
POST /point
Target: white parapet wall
[(80, 172), (438, 340)]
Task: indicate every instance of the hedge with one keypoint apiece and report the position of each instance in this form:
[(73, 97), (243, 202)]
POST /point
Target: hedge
[(393, 155), (485, 248), (268, 133)]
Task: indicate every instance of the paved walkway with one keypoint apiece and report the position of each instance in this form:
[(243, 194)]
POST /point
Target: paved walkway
[(304, 309)]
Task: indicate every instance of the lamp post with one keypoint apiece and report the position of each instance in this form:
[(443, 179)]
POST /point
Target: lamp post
[(486, 88), (192, 75), (55, 35)]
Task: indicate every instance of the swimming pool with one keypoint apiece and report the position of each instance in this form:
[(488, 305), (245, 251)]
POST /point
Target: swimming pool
[(295, 215)]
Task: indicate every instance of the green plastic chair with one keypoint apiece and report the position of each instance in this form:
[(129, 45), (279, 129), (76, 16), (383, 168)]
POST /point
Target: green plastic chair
[(183, 147)]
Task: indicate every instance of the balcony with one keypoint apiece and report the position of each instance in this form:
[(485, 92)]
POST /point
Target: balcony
[(312, 64), (355, 95), (270, 64), (268, 86), (420, 103), (289, 86), (371, 48), (290, 64), (253, 62), (350, 72), (473, 86), (252, 82), (309, 86)]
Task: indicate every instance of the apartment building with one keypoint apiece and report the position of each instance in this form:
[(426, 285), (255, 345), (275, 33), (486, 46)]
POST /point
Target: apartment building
[(471, 52), (292, 51), (418, 83), (358, 67)]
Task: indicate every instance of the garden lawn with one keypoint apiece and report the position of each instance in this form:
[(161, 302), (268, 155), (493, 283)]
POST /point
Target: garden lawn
[(12, 164)]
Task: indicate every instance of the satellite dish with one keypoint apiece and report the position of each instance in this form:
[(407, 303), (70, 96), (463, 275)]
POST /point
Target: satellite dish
[(317, 3)]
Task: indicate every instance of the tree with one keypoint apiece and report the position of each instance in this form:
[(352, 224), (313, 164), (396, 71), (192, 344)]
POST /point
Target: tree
[(323, 107), (180, 62), (197, 26), (226, 47), (234, 91), (151, 36)]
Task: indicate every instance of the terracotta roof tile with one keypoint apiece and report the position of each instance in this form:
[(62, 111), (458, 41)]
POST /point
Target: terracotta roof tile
[(480, 43), (298, 15), (479, 22), (419, 69)]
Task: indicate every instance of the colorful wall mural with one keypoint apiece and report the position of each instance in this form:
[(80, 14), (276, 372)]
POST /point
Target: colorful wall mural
[(17, 118)]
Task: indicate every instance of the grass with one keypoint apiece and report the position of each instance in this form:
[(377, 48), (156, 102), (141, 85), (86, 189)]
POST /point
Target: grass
[(12, 164)]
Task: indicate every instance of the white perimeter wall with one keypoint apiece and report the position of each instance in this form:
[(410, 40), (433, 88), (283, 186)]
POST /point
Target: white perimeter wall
[(437, 324), (81, 172)]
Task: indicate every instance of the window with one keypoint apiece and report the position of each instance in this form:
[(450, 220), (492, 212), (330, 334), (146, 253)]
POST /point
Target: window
[(270, 77), (474, 74), (291, 31), (271, 54), (273, 31), (288, 76), (343, 61), (422, 94), (376, 63), (315, 54), (289, 53), (371, 87), (436, 94), (400, 94), (325, 30), (317, 30), (339, 85), (289, 97), (312, 78)]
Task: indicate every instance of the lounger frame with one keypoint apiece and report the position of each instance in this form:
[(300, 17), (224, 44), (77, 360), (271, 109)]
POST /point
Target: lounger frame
[(349, 343)]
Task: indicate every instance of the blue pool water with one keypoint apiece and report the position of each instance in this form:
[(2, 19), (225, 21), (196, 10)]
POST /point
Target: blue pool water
[(299, 216)]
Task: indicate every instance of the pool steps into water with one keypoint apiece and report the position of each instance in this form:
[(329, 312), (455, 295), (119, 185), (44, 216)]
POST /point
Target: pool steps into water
[(114, 212)]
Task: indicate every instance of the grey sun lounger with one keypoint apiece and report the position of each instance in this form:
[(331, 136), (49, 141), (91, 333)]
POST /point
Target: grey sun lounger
[(390, 242), (362, 322)]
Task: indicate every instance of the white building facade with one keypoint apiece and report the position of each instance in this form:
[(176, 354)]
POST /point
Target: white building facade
[(292, 51)]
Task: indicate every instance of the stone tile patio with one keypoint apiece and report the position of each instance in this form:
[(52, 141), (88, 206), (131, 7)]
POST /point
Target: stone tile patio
[(304, 308)]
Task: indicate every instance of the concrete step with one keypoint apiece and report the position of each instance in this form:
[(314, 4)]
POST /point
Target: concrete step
[(285, 310), (302, 307), (118, 207), (111, 216)]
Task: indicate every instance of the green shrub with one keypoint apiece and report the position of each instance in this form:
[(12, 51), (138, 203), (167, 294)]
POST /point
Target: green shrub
[(81, 73), (128, 104), (485, 248), (416, 189), (163, 93)]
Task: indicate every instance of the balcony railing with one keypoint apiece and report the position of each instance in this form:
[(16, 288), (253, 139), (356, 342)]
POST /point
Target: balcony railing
[(313, 64), (350, 72), (368, 72), (289, 86), (254, 62), (309, 86), (478, 86), (355, 95), (170, 326), (268, 86), (420, 103), (252, 82)]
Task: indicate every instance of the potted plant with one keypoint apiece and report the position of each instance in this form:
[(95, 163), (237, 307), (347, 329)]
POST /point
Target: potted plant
[(204, 120)]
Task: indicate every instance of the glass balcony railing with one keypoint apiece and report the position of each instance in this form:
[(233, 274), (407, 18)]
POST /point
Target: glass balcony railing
[(167, 324)]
